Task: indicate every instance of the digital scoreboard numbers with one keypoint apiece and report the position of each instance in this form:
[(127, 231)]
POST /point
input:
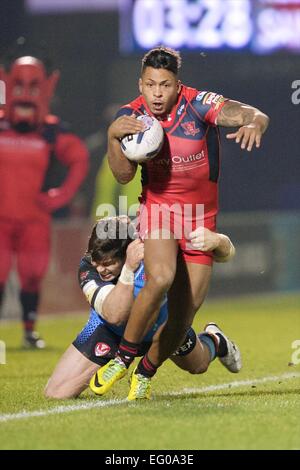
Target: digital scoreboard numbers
[(277, 26), (260, 26)]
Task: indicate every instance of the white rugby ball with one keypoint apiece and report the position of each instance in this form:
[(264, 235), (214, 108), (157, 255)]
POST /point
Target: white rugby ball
[(145, 145)]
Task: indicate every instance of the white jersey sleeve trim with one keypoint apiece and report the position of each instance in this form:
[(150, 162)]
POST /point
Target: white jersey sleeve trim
[(89, 290), (101, 296)]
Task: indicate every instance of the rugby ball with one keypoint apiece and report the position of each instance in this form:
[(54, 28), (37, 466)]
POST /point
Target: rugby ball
[(145, 145)]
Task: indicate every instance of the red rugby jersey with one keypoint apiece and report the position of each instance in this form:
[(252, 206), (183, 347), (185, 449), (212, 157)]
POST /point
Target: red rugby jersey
[(186, 171)]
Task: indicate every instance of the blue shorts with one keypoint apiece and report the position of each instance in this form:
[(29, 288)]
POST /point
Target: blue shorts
[(98, 343)]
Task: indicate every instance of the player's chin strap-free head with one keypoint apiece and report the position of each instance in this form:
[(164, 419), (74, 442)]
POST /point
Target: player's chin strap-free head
[(28, 92)]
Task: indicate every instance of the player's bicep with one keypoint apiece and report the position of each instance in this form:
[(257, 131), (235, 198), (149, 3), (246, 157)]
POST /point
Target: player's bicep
[(235, 114), (99, 297)]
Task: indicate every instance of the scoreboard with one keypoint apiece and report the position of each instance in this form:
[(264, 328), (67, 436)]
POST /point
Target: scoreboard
[(259, 26)]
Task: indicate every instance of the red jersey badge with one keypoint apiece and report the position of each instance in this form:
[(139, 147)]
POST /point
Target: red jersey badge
[(190, 128)]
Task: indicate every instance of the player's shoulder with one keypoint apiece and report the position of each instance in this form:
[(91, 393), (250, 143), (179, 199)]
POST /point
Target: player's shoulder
[(189, 93), (85, 262), (195, 95), (208, 98), (201, 96), (85, 270)]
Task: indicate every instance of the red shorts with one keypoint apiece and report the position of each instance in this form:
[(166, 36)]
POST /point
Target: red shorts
[(176, 221)]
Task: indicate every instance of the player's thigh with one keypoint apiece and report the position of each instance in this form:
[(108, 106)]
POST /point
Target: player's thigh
[(95, 345), (160, 259), (180, 297), (71, 375), (199, 278)]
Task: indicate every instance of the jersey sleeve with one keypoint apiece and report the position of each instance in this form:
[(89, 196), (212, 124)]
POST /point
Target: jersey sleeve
[(92, 286), (207, 105), (125, 111)]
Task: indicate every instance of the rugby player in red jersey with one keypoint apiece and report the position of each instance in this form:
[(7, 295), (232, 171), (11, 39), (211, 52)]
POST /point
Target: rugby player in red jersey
[(30, 140), (186, 171)]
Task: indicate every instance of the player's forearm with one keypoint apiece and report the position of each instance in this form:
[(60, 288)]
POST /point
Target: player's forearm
[(116, 307), (225, 249), (122, 169), (236, 114)]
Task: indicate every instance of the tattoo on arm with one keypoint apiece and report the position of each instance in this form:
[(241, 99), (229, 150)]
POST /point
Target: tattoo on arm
[(235, 114)]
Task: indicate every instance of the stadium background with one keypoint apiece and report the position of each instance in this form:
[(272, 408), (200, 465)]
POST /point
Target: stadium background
[(259, 192)]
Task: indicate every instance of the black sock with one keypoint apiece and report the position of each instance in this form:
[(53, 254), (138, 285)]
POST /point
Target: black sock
[(146, 368), (222, 349), (127, 351), (29, 302)]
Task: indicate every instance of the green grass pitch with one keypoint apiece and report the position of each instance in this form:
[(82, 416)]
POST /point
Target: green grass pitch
[(260, 411)]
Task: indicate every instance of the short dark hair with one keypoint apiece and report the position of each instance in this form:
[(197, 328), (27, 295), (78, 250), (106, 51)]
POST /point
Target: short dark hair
[(162, 58), (114, 245)]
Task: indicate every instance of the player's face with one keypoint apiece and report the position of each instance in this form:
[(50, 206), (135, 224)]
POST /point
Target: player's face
[(109, 269), (160, 89)]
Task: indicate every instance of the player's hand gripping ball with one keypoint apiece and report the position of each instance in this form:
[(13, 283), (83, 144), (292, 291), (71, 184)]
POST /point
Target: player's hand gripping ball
[(145, 145)]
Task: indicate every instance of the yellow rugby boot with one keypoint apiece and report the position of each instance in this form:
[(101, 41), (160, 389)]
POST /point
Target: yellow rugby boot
[(140, 387), (105, 377)]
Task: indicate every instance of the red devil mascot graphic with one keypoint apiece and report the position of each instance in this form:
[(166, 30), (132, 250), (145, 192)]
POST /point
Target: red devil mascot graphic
[(29, 137)]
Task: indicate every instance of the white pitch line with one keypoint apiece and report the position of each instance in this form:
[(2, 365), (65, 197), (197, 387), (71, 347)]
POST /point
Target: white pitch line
[(237, 383), (60, 410), (105, 404)]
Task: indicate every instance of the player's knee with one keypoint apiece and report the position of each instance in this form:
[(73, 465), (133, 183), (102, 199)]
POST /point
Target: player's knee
[(161, 280), (57, 392), (198, 369), (51, 391)]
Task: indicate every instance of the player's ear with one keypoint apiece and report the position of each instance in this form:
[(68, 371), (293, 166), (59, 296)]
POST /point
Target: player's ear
[(179, 86), (141, 85)]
